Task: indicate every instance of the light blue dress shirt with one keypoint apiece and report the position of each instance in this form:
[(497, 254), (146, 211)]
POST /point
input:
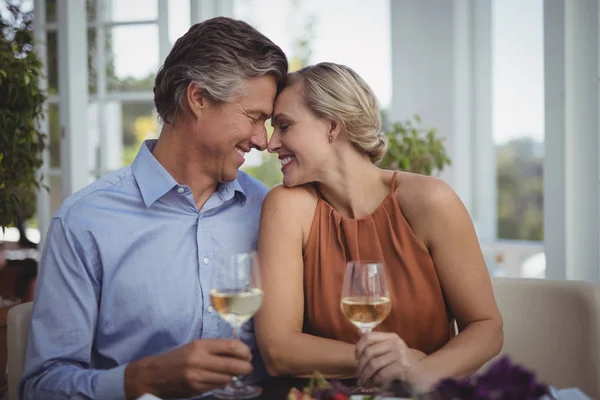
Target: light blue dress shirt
[(126, 273)]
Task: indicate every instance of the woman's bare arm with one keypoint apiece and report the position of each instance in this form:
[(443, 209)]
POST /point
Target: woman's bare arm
[(285, 223), (439, 217)]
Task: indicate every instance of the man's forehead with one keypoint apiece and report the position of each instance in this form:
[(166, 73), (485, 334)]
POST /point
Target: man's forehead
[(261, 103), (261, 86), (258, 97)]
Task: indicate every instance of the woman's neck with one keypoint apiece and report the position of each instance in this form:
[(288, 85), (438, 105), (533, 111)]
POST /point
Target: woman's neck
[(355, 187)]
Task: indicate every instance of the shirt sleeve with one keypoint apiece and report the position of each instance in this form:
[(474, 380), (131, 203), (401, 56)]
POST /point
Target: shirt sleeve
[(64, 318)]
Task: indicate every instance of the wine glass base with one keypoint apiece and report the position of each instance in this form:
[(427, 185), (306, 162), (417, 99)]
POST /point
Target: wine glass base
[(241, 392), (366, 391)]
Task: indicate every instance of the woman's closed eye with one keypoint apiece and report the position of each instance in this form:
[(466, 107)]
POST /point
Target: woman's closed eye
[(282, 125)]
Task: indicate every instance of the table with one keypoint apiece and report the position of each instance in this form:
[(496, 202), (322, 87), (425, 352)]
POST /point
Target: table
[(278, 388)]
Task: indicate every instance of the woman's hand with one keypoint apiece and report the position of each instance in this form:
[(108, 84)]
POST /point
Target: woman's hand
[(384, 357)]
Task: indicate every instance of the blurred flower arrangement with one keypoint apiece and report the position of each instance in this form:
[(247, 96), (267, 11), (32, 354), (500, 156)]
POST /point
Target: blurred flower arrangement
[(502, 381), (319, 388)]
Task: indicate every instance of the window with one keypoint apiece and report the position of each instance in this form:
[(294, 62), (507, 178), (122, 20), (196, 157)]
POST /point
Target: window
[(518, 123)]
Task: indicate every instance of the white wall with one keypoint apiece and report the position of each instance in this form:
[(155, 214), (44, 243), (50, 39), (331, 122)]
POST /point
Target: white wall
[(441, 70)]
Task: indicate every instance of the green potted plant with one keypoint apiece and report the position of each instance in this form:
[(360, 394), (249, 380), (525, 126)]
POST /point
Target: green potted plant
[(21, 107), (21, 142), (414, 148)]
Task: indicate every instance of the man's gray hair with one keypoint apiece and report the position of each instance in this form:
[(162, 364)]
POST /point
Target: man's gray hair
[(218, 55)]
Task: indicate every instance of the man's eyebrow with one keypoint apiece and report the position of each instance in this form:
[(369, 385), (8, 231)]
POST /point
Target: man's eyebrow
[(262, 114)]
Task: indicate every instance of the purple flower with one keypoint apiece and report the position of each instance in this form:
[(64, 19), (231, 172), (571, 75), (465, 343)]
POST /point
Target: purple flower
[(503, 380)]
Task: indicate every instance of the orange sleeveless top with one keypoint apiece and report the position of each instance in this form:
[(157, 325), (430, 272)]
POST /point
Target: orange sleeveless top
[(419, 313)]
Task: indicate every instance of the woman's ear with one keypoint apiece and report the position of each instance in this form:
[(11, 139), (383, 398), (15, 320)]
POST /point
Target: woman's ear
[(334, 131)]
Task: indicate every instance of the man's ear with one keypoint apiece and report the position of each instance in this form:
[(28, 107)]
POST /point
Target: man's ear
[(196, 99)]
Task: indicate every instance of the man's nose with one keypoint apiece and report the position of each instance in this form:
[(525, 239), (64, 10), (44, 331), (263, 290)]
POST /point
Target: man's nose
[(274, 143), (259, 139)]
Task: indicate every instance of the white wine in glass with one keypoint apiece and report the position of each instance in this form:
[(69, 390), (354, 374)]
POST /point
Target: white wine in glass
[(366, 313), (234, 306), (236, 295), (365, 294)]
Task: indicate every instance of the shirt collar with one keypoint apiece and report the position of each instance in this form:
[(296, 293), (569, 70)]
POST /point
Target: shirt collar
[(152, 178), (154, 181), (229, 189)]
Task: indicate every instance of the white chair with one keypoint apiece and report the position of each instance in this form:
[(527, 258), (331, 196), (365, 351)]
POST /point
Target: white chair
[(19, 319), (553, 329)]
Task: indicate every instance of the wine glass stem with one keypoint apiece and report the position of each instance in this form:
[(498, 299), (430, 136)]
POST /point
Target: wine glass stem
[(368, 384), (236, 328)]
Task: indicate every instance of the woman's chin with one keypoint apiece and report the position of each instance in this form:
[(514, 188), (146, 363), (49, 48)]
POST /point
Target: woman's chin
[(288, 183), (289, 180)]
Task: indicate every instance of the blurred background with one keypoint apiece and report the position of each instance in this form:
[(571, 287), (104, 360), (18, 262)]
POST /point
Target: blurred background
[(508, 88)]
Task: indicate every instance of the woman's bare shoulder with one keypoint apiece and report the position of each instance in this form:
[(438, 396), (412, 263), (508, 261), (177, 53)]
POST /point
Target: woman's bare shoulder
[(424, 199), (416, 190), (291, 198), (291, 205)]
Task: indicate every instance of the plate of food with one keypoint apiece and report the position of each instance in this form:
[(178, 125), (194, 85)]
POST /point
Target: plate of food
[(320, 388)]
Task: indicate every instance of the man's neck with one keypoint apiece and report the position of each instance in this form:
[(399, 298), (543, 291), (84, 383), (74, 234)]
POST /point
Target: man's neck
[(184, 166)]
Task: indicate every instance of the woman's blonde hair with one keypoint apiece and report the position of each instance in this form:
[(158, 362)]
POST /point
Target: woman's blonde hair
[(336, 92)]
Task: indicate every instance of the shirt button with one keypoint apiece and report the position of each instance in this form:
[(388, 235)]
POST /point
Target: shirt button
[(180, 190), (210, 309), (205, 261)]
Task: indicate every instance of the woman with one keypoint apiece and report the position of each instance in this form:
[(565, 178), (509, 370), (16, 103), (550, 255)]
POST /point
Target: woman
[(336, 205)]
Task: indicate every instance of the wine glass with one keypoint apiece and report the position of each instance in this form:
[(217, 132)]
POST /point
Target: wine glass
[(236, 295), (365, 296), (365, 300)]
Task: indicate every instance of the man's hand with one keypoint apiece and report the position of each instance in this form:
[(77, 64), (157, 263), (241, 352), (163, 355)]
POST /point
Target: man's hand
[(189, 370), (384, 357)]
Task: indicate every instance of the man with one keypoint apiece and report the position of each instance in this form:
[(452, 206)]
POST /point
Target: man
[(122, 305)]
